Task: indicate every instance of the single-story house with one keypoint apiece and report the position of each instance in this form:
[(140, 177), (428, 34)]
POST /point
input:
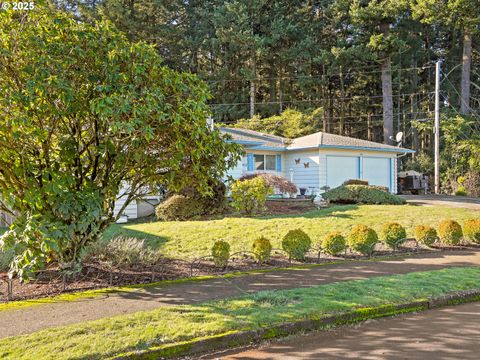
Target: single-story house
[(316, 161), (311, 162)]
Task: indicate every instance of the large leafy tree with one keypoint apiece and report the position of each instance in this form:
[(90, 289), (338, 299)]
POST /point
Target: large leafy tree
[(84, 112)]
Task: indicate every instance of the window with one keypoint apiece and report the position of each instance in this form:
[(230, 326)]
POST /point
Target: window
[(270, 162), (260, 162)]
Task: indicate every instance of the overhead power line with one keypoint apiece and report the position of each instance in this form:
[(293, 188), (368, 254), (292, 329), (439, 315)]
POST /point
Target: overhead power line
[(317, 101), (427, 113), (347, 72)]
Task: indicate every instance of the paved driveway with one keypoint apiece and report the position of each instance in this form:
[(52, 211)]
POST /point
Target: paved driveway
[(447, 333), (444, 200)]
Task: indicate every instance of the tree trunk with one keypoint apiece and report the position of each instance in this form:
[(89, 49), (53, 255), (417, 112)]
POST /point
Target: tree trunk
[(387, 101), (341, 127), (369, 128), (414, 109), (252, 98), (252, 89), (466, 65)]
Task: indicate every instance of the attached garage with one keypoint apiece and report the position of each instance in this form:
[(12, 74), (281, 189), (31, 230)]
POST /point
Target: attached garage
[(341, 168), (377, 171)]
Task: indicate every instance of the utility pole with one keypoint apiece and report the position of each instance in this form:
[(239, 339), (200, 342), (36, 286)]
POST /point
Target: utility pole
[(437, 127)]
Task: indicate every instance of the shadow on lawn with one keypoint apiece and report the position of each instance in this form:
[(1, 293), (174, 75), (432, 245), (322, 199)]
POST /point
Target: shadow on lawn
[(155, 241), (334, 211), (151, 240)]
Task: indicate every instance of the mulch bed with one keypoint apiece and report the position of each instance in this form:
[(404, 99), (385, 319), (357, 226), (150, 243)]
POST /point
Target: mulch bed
[(96, 276)]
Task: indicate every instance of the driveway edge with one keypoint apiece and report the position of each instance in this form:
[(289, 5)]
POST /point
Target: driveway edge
[(244, 338)]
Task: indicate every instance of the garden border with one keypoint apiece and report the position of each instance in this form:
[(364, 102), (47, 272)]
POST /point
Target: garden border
[(70, 296), (244, 338)]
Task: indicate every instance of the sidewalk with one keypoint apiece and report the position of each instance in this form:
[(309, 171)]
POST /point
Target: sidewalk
[(28, 320), (446, 333)]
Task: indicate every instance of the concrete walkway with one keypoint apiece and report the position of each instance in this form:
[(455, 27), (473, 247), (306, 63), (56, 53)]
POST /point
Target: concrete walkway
[(447, 333), (27, 320)]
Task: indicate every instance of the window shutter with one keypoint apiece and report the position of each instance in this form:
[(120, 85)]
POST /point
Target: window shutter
[(249, 162), (279, 162)]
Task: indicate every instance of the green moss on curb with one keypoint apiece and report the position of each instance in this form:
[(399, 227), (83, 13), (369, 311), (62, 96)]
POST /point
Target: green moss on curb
[(191, 329), (239, 338)]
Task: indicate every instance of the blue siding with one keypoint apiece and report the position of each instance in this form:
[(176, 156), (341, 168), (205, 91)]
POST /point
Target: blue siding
[(249, 162), (278, 162)]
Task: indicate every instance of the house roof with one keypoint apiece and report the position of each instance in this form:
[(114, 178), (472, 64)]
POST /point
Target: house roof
[(326, 140), (319, 139), (255, 138)]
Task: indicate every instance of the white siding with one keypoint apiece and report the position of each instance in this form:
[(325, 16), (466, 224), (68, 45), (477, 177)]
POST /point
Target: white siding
[(238, 170), (304, 177), (131, 210)]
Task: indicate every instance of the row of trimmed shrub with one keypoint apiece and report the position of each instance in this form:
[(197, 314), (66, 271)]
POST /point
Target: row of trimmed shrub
[(296, 243)]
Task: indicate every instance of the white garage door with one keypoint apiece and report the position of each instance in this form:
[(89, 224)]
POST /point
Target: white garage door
[(377, 171), (341, 168)]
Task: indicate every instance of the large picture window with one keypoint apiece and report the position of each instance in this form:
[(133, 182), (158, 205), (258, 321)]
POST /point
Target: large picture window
[(265, 162)]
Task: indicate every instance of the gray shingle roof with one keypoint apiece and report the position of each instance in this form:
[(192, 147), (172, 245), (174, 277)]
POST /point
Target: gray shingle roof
[(326, 140), (255, 137), (316, 140)]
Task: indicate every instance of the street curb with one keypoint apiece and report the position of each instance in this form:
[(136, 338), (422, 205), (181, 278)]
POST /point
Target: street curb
[(244, 338)]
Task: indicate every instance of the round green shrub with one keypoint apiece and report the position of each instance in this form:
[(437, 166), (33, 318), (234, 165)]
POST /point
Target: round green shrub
[(262, 248), (296, 244), (249, 196), (450, 232), (392, 233), (333, 243), (425, 234), (362, 239), (471, 230), (221, 253), (179, 207)]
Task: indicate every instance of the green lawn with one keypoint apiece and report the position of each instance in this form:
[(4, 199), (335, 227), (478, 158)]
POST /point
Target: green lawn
[(190, 239), (139, 331)]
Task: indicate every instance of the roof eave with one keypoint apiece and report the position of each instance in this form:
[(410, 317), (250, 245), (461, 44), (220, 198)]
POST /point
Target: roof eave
[(265, 147), (245, 142), (366, 148)]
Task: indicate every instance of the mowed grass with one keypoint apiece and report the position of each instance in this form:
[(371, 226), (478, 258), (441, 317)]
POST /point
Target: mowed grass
[(139, 331), (190, 239)]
